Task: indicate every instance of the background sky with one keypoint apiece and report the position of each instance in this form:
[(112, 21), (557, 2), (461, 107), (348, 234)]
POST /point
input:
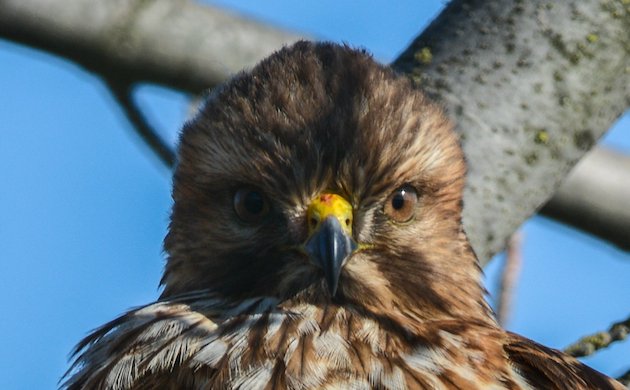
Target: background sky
[(84, 206)]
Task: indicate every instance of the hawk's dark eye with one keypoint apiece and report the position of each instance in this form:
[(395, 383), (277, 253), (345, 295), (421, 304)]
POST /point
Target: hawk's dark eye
[(401, 204), (250, 204)]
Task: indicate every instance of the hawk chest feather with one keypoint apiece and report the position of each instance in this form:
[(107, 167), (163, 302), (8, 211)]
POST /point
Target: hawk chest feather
[(251, 346)]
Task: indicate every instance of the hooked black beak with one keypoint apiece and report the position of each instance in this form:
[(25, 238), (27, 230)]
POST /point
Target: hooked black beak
[(329, 247)]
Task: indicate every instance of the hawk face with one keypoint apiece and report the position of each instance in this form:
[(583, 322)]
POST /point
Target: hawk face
[(321, 176)]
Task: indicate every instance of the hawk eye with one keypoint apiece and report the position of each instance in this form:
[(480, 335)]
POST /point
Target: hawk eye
[(250, 204), (401, 204)]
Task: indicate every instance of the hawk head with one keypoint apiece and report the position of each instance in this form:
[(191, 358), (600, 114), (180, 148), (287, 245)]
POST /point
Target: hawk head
[(322, 176)]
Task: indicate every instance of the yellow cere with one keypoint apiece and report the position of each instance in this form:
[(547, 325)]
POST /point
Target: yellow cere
[(326, 205)]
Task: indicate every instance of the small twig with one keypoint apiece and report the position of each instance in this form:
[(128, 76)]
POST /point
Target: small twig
[(590, 344), (122, 92), (509, 278)]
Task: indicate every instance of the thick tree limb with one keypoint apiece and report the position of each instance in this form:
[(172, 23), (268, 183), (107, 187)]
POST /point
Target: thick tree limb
[(531, 85), (595, 197), (176, 43)]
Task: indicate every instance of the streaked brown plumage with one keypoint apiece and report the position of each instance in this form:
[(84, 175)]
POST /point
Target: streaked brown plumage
[(254, 298)]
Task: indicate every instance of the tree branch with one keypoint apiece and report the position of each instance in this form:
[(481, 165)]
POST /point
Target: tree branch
[(122, 92), (595, 197), (179, 44), (590, 344), (509, 277)]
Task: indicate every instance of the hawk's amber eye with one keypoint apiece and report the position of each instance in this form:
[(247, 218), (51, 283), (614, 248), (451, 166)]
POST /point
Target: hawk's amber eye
[(401, 204), (250, 204)]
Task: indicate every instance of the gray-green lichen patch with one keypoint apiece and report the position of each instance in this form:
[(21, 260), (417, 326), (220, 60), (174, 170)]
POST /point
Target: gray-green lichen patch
[(479, 79), (531, 158), (592, 38), (618, 9), (424, 56), (542, 137), (442, 85), (563, 100), (573, 55), (584, 139), (417, 79)]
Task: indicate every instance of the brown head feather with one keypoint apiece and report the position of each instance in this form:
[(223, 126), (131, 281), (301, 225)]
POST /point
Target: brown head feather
[(313, 118)]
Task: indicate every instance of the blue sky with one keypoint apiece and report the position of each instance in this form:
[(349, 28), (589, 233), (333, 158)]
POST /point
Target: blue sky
[(84, 207)]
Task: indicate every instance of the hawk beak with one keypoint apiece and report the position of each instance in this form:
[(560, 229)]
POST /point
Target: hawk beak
[(330, 240)]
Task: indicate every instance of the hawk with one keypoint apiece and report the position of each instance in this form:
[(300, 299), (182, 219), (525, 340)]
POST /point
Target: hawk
[(316, 242)]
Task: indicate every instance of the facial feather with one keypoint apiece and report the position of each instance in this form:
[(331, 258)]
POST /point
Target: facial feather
[(335, 121)]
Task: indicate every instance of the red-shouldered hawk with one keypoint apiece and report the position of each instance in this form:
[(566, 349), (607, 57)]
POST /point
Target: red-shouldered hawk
[(316, 242)]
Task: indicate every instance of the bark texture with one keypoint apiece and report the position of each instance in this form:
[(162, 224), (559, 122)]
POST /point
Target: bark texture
[(531, 85)]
